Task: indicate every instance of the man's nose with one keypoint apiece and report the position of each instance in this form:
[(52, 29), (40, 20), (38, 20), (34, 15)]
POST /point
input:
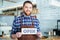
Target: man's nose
[(28, 8)]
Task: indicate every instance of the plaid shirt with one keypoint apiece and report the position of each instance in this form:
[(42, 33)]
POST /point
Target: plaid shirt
[(26, 20)]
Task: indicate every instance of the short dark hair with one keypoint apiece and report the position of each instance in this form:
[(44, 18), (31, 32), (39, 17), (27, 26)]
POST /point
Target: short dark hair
[(27, 2)]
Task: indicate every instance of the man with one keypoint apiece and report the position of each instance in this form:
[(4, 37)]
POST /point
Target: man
[(25, 20)]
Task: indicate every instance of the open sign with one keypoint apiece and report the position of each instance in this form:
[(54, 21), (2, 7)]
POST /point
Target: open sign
[(29, 31)]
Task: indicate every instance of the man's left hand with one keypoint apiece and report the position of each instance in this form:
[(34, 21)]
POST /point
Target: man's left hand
[(39, 34)]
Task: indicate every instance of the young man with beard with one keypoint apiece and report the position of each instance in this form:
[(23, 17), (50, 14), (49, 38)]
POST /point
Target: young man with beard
[(25, 21)]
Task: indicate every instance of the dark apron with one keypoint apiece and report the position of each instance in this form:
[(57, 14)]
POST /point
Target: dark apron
[(27, 37)]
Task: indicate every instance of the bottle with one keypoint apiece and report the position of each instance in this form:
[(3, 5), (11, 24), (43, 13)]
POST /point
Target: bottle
[(54, 33), (2, 33), (50, 37)]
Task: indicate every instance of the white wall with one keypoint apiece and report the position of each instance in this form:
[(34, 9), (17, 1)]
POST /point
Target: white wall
[(48, 15)]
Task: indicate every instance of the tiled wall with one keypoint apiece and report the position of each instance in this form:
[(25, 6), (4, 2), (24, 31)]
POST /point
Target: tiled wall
[(6, 19), (6, 24), (48, 15)]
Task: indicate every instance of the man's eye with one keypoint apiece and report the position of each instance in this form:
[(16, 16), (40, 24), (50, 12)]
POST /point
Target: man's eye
[(26, 7)]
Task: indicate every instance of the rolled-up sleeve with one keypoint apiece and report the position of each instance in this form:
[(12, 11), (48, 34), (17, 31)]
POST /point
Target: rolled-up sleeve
[(15, 26)]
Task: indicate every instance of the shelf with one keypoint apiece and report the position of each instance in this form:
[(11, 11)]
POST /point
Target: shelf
[(11, 14)]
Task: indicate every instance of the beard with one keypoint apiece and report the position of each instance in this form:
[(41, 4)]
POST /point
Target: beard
[(27, 13)]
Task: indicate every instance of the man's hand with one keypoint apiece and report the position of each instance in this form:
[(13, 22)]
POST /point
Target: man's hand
[(18, 34), (39, 34)]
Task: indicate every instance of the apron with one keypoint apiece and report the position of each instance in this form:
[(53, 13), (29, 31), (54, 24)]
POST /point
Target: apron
[(27, 36)]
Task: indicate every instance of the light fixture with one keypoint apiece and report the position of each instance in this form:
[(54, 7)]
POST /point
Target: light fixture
[(54, 3), (35, 11)]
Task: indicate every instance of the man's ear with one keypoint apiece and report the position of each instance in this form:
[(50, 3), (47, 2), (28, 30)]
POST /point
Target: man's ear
[(22, 8)]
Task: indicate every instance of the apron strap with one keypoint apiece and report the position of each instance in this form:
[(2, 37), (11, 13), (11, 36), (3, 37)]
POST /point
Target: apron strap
[(32, 21)]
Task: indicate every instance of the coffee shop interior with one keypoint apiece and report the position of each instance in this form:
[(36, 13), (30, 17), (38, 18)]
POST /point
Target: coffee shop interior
[(47, 12)]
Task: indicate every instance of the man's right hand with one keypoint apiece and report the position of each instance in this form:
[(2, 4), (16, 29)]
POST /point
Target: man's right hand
[(17, 35)]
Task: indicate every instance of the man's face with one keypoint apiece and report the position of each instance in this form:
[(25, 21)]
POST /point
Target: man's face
[(27, 8)]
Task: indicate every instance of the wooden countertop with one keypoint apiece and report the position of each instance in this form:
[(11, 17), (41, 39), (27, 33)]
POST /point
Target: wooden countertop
[(49, 38), (6, 36), (55, 38)]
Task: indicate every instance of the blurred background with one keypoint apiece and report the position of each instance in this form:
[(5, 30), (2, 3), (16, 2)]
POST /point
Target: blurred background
[(47, 11)]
